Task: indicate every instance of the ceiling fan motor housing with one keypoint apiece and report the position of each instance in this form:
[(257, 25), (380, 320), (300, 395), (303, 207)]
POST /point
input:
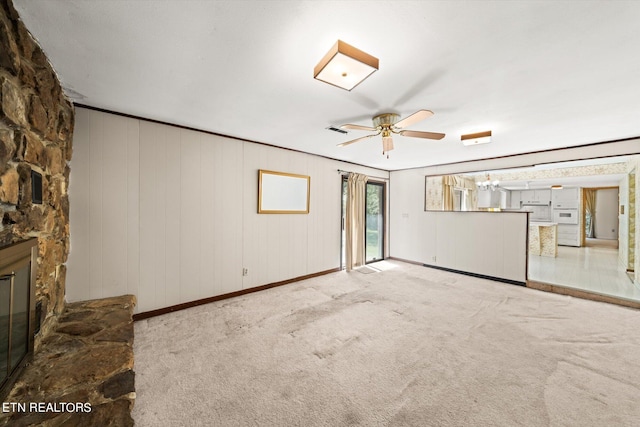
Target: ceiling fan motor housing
[(385, 120)]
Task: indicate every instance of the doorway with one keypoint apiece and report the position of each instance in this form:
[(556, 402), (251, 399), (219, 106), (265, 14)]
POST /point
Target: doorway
[(600, 215)]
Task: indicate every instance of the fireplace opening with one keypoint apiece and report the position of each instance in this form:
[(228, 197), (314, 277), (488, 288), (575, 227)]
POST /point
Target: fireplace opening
[(17, 309)]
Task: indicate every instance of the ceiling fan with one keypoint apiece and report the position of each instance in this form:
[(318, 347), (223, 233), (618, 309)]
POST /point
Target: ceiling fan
[(388, 123)]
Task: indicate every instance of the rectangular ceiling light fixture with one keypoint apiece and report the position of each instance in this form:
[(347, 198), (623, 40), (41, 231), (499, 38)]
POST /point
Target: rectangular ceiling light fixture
[(345, 66), (476, 138)]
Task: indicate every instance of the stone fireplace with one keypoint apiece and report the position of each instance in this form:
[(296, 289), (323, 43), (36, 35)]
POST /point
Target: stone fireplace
[(83, 351), (36, 125)]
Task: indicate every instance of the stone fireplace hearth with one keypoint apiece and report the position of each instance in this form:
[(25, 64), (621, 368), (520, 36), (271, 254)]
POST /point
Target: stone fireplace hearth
[(83, 374)]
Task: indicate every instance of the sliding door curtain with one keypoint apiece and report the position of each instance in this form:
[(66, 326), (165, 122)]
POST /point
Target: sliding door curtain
[(355, 221)]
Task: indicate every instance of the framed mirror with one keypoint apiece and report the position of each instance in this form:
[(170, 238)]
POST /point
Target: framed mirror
[(283, 193)]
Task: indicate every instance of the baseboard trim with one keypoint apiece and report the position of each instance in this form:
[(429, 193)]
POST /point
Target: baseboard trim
[(579, 293), (185, 305), (480, 276), (405, 260)]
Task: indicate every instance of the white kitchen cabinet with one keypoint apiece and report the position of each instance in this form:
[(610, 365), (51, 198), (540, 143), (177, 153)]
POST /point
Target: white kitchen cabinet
[(505, 199), (538, 197), (542, 196), (515, 199), (526, 196), (568, 234), (566, 198)]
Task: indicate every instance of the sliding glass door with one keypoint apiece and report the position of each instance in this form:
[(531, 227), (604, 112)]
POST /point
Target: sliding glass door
[(343, 222), (374, 217)]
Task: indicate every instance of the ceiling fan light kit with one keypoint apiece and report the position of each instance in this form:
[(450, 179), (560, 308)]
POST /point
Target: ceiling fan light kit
[(388, 123), (345, 66), (476, 138)]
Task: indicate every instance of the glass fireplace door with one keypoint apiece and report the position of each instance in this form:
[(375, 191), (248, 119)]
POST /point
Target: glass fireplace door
[(14, 319), (17, 309), (15, 306), (5, 306), (20, 317)]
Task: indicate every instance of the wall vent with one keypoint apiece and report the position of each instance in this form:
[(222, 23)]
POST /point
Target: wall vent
[(36, 187), (335, 129)]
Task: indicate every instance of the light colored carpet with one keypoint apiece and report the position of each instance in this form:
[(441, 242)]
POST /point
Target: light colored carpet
[(365, 269), (406, 346)]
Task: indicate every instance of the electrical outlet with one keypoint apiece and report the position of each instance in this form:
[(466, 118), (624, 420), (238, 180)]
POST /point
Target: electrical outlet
[(245, 271), (433, 258)]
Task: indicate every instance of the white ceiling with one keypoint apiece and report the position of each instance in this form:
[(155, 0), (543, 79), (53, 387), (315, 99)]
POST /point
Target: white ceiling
[(538, 74)]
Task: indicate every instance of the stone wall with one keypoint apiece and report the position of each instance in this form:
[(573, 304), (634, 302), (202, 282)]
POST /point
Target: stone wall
[(36, 126)]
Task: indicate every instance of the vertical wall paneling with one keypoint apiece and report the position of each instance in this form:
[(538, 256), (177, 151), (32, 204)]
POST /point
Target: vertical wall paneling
[(483, 243), (170, 214), (406, 218), (172, 198), (274, 245), (512, 244), (96, 208), (152, 144), (480, 242), (103, 207), (191, 193), (229, 179), (190, 214), (324, 215), (114, 204), (77, 285), (133, 206), (210, 219)]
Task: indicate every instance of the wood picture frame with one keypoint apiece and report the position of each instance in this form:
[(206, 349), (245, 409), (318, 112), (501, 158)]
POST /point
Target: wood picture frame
[(283, 193)]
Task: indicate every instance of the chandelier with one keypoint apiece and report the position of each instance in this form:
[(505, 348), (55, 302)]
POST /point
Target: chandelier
[(487, 184)]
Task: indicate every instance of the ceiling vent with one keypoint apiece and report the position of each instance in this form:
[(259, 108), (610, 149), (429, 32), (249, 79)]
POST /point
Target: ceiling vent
[(335, 129)]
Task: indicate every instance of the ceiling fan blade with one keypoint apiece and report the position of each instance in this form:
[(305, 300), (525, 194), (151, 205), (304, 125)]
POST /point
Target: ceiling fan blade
[(420, 134), (414, 118), (358, 127), (357, 139)]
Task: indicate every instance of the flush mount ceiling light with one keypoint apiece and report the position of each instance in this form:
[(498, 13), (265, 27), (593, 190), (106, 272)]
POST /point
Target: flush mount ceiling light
[(476, 138), (556, 187), (345, 66)]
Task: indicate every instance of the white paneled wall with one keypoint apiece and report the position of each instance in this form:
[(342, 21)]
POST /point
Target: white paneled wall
[(104, 221), (190, 193), (170, 214), (275, 246), (485, 243)]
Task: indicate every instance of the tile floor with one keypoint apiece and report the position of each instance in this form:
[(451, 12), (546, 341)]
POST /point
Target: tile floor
[(594, 269)]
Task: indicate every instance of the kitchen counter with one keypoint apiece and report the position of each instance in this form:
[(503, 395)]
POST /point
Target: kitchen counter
[(543, 238)]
